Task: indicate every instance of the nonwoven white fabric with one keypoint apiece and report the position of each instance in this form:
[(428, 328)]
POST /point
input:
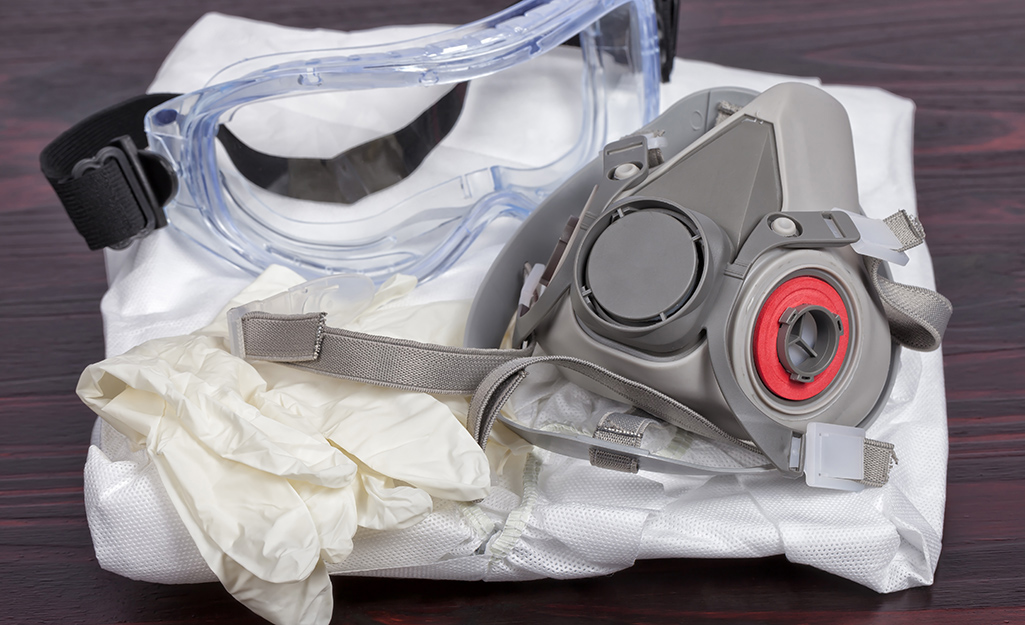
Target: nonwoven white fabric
[(546, 516)]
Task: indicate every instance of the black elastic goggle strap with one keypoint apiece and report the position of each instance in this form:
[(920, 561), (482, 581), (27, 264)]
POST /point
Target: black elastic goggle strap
[(359, 171), (112, 190), (667, 15)]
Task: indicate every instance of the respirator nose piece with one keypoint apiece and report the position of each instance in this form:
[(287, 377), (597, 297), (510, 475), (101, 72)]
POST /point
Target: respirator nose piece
[(801, 338)]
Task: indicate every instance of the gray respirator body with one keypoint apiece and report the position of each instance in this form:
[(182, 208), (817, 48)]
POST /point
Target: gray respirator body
[(723, 277), (716, 271)]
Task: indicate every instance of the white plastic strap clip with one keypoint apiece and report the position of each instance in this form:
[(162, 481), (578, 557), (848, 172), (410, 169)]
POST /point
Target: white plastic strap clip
[(834, 456), (878, 239)]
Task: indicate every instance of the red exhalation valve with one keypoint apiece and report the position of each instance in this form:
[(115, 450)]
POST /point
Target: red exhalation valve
[(800, 338)]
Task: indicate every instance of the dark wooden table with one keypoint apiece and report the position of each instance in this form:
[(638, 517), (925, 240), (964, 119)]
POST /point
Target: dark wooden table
[(962, 62)]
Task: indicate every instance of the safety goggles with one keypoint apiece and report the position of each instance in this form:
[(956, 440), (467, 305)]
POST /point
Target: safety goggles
[(375, 159)]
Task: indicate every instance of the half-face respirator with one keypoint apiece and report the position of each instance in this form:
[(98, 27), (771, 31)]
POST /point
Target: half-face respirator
[(714, 270)]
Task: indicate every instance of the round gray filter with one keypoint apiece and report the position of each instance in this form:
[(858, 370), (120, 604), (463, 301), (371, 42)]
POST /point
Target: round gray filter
[(642, 265)]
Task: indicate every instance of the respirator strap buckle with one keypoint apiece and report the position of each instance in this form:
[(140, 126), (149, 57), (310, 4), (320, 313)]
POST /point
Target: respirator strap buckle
[(622, 429), (831, 456), (839, 457), (918, 317)]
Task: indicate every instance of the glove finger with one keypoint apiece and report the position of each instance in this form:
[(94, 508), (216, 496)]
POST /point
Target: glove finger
[(411, 437), (231, 391), (384, 505), (333, 511), (256, 519), (274, 279), (304, 602), (97, 388), (207, 390)]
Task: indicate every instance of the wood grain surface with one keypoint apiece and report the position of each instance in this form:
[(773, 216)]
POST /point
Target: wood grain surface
[(962, 62)]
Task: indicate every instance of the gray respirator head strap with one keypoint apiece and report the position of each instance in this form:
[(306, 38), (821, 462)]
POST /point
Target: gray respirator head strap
[(918, 317), (306, 342), (491, 376)]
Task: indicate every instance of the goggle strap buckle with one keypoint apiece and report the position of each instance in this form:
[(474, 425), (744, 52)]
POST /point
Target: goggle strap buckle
[(113, 192)]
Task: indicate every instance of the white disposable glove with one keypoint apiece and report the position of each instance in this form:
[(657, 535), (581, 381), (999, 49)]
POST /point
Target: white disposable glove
[(272, 468)]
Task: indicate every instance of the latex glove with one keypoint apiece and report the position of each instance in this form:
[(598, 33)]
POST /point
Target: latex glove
[(273, 468)]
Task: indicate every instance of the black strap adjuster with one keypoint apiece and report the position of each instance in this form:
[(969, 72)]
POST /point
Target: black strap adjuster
[(148, 176), (113, 192)]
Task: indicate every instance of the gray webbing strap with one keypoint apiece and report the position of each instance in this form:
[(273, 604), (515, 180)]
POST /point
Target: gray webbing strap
[(918, 317), (490, 375), (305, 342), (623, 429), (612, 460), (282, 338), (725, 111), (879, 457), (496, 388), (907, 229)]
